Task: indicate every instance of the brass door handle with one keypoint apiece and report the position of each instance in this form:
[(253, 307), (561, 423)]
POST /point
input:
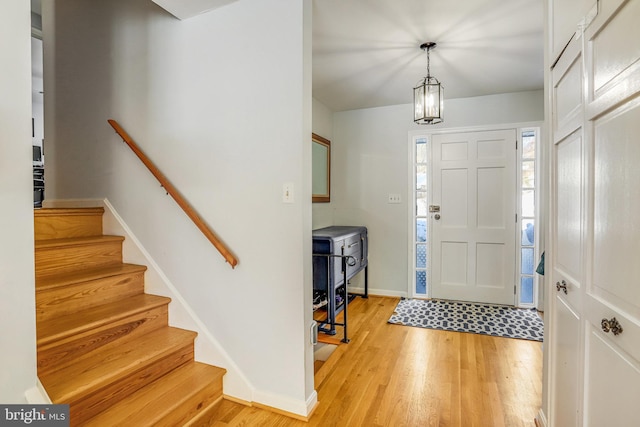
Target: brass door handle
[(611, 325), (563, 287)]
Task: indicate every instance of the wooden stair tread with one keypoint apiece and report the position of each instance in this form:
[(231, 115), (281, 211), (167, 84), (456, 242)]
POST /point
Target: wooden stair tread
[(75, 241), (153, 403), (84, 320), (64, 279), (68, 211), (114, 361), (104, 346), (59, 223)]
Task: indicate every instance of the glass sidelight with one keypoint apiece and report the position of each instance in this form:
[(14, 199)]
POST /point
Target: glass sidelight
[(527, 242), (420, 212)]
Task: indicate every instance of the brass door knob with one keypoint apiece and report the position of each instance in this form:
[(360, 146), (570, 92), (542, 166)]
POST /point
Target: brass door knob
[(611, 325), (562, 286)]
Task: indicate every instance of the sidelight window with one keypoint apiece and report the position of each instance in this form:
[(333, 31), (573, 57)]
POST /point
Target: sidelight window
[(527, 241)]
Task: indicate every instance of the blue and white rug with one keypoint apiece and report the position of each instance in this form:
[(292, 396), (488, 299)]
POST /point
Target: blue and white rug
[(495, 320)]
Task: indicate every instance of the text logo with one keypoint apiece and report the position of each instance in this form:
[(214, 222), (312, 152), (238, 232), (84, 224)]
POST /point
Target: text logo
[(34, 415)]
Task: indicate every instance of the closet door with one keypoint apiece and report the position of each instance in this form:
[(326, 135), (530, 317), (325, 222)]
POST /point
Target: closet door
[(612, 294), (565, 16), (568, 231)]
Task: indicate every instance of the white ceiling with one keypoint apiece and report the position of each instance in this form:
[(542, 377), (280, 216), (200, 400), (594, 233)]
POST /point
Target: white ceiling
[(366, 52)]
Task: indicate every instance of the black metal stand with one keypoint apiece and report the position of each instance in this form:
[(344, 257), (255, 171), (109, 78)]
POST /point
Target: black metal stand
[(329, 325)]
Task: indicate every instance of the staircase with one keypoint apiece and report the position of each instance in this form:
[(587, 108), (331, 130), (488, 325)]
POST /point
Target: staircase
[(104, 346)]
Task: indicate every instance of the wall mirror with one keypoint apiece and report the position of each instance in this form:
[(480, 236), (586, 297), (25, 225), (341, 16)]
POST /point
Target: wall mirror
[(320, 169)]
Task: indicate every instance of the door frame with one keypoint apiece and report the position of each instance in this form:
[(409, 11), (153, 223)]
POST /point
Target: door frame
[(540, 220)]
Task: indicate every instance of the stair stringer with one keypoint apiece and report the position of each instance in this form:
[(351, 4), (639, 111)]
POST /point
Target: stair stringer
[(207, 348)]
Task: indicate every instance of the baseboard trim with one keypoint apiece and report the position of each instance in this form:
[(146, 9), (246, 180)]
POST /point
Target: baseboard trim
[(379, 292), (312, 402), (37, 395), (540, 419), (236, 400), (281, 412)]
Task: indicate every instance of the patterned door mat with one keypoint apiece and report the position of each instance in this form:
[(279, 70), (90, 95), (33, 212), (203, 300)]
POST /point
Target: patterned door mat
[(495, 320)]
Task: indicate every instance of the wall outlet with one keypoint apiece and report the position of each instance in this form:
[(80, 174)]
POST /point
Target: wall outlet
[(394, 198), (287, 192)]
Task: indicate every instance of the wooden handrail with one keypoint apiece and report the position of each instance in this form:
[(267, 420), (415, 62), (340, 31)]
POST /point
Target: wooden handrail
[(173, 192)]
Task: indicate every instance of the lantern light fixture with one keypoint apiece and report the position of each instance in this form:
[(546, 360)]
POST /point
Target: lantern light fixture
[(428, 95)]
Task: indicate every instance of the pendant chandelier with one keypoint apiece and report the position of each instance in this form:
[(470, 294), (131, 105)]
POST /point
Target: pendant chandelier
[(428, 95)]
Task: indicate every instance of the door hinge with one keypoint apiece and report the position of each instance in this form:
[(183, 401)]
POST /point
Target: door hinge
[(516, 218), (514, 289), (516, 144)]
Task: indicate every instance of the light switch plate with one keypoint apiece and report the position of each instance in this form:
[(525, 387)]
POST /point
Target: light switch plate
[(287, 192), (394, 198)]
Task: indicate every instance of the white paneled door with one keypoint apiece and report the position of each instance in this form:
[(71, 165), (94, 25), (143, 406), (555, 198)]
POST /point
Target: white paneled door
[(473, 216)]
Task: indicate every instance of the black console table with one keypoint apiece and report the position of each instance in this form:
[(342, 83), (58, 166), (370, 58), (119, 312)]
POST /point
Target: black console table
[(339, 253)]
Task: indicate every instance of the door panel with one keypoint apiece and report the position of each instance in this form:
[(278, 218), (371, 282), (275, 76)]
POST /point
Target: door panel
[(474, 182), (568, 239), (489, 274), (567, 271), (454, 271), (491, 209), (612, 379), (454, 203), (567, 373), (617, 206), (612, 50), (606, 403)]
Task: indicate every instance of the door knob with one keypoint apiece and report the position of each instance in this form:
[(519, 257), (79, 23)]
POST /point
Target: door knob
[(437, 216), (611, 325), (562, 286)]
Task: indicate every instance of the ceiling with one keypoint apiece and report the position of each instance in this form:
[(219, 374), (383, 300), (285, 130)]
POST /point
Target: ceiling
[(366, 53)]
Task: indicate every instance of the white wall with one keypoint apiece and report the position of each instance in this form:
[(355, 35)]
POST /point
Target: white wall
[(322, 125), (370, 160), (17, 285), (220, 102)]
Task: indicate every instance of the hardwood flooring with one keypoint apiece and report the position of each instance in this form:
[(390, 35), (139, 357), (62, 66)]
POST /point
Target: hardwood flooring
[(392, 375)]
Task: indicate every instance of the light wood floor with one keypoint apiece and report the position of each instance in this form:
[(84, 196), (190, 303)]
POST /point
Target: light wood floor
[(392, 375)]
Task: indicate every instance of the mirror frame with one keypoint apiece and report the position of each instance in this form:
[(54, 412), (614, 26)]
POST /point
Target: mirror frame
[(325, 197)]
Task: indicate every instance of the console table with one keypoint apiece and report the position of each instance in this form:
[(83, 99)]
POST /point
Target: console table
[(339, 253)]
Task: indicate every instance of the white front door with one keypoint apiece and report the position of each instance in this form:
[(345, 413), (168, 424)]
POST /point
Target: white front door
[(474, 231)]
